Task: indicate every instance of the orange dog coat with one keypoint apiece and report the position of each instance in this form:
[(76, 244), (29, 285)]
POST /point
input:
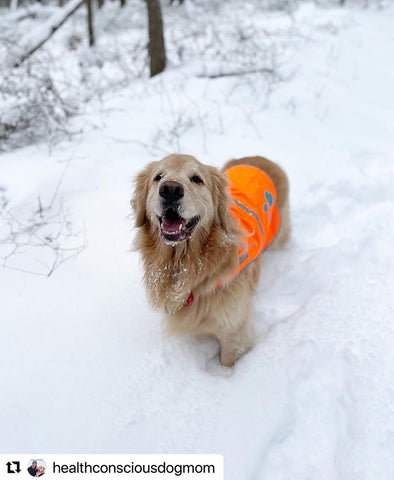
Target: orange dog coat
[(254, 208)]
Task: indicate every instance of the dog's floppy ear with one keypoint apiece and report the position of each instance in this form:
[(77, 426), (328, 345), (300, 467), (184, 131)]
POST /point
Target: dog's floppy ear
[(222, 201), (138, 202)]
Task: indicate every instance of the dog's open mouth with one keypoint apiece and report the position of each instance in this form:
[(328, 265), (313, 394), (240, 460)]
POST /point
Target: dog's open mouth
[(174, 228)]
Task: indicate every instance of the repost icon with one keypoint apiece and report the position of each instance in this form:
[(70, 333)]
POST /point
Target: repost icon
[(13, 467)]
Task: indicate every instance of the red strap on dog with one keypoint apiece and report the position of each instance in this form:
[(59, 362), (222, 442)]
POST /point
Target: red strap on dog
[(189, 300)]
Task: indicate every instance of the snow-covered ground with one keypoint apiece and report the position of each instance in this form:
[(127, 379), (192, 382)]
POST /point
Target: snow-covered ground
[(84, 364)]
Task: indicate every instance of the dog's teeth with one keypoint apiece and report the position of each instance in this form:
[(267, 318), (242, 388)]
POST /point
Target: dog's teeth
[(180, 226)]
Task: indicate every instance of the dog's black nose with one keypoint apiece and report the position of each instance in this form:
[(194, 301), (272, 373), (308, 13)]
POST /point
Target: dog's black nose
[(171, 191)]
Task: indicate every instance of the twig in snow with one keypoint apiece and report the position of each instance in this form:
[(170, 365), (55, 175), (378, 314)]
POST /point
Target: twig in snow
[(237, 73)]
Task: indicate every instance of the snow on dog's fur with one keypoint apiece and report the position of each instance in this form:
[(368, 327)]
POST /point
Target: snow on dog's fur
[(189, 244)]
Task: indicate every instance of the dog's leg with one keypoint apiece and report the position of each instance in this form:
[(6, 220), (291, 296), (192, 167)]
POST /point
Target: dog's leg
[(236, 343)]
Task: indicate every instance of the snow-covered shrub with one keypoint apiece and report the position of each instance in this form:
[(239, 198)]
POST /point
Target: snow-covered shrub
[(227, 41), (38, 97), (31, 107), (41, 240)]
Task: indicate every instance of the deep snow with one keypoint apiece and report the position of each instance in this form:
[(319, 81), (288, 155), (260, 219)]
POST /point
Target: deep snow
[(84, 364)]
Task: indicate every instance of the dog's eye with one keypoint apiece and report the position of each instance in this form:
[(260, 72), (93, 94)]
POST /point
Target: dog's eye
[(196, 179), (158, 177)]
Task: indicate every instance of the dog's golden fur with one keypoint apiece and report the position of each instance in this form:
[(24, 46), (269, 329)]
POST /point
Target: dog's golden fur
[(209, 255)]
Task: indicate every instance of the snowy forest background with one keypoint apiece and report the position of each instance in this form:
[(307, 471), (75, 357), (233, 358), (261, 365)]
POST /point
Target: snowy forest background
[(90, 92), (38, 101)]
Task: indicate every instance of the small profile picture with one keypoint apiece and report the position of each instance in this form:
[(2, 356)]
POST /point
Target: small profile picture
[(36, 468)]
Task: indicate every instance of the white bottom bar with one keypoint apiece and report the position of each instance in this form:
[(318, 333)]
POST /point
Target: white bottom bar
[(112, 467)]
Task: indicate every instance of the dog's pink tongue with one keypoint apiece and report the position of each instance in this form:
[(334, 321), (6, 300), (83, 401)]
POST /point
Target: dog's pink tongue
[(172, 226)]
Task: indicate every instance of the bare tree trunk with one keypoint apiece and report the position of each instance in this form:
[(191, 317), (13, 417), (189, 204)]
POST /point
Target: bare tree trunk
[(90, 22), (122, 3), (157, 52)]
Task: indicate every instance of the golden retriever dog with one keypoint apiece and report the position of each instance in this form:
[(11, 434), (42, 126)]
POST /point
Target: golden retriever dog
[(40, 471), (191, 245)]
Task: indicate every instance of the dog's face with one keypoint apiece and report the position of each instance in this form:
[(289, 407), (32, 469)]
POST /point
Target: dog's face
[(179, 196)]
